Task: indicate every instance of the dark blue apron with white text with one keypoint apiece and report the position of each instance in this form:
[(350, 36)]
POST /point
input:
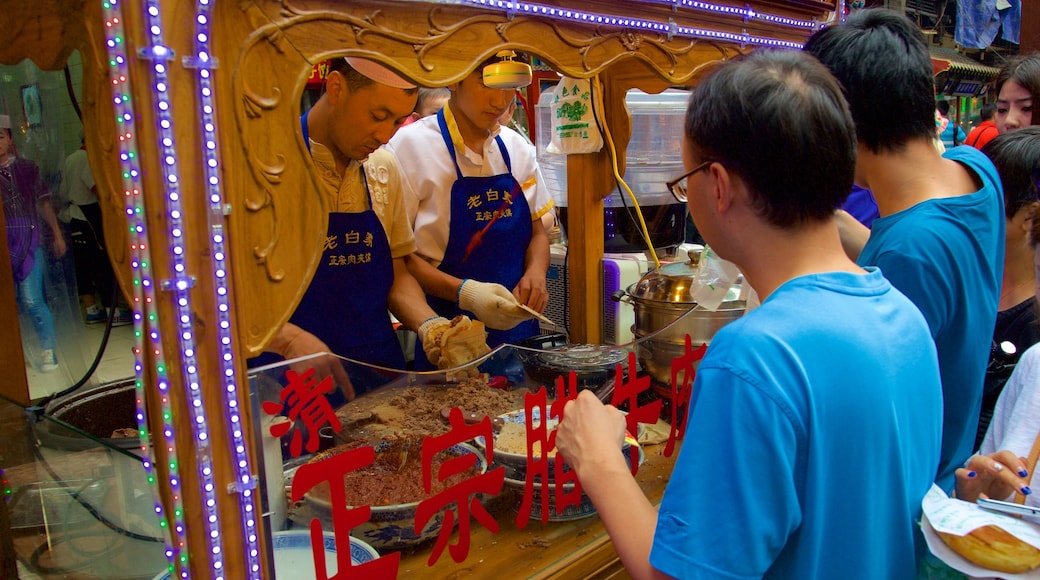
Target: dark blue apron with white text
[(346, 302), (488, 239)]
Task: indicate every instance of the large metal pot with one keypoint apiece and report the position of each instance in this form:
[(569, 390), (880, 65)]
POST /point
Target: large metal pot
[(665, 314)]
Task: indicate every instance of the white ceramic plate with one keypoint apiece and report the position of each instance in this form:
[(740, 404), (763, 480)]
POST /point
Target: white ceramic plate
[(294, 560)]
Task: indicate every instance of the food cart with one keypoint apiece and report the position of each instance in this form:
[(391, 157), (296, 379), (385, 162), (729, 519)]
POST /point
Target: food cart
[(214, 216)]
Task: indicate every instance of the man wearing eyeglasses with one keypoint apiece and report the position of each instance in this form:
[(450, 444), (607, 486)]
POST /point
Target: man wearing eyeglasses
[(804, 403)]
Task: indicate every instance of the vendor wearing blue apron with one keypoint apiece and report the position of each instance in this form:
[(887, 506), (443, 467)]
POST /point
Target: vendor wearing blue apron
[(475, 192), (361, 275)]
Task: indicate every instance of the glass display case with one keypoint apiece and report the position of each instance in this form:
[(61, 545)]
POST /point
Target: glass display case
[(442, 458)]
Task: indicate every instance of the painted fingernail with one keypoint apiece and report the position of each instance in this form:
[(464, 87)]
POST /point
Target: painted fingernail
[(972, 474), (1022, 473), (998, 467), (1026, 490)]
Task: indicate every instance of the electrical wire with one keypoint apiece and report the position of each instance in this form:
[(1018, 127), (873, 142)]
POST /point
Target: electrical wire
[(97, 357), (620, 182), (76, 495), (115, 289), (617, 175)]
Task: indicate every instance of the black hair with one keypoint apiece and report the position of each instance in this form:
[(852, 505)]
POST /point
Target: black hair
[(1024, 70), (778, 120), (943, 106), (987, 111), (881, 59), (1017, 157)]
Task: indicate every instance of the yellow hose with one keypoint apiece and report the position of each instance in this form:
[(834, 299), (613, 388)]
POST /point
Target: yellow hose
[(620, 180)]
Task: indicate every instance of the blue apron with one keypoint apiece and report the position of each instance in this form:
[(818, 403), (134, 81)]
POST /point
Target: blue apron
[(499, 255), (346, 302)]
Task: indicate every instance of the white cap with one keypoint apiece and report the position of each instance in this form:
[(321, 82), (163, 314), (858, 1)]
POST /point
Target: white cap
[(379, 73), (5, 122)]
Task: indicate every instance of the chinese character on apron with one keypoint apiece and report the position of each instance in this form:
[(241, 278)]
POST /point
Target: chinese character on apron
[(346, 302), (490, 230)]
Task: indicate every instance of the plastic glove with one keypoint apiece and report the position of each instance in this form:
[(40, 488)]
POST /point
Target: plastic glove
[(493, 304), (453, 343)]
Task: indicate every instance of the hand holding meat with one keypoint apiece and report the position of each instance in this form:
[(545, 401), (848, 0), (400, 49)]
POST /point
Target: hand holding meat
[(453, 343)]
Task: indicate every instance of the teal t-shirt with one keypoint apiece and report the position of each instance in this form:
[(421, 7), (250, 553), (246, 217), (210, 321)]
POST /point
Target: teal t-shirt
[(947, 256)]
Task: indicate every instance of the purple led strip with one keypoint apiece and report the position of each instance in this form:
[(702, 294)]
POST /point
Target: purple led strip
[(203, 62), (745, 12), (181, 283), (670, 28), (143, 293)]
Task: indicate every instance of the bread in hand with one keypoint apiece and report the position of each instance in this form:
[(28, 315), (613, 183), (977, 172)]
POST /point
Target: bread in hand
[(995, 549)]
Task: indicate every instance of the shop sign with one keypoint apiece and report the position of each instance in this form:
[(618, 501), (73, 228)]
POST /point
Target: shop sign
[(318, 73)]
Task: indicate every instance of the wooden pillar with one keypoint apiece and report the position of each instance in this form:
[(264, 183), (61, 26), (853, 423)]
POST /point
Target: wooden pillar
[(590, 178), (14, 385), (185, 116), (1029, 35)]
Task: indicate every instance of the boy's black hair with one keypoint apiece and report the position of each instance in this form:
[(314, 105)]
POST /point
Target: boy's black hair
[(778, 120), (881, 59)]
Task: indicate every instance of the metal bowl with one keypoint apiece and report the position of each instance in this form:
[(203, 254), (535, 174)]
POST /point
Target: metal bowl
[(594, 366)]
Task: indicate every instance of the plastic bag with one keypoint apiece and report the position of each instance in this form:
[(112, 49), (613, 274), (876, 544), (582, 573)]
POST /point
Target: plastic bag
[(713, 280), (574, 128)]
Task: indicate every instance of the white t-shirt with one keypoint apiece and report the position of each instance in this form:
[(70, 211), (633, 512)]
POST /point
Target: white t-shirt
[(76, 186), (346, 193), (1016, 418), (429, 175)]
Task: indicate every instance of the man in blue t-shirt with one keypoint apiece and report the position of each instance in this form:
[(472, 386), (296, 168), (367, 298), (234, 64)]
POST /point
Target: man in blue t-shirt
[(808, 403), (940, 235)]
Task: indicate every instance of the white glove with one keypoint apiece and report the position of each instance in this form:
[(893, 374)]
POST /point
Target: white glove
[(429, 333), (493, 304), (453, 343)]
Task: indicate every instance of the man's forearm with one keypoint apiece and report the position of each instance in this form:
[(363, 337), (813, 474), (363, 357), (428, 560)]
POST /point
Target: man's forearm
[(431, 280), (407, 300)]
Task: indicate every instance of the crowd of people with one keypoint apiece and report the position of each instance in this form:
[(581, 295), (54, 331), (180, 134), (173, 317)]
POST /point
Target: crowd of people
[(811, 415)]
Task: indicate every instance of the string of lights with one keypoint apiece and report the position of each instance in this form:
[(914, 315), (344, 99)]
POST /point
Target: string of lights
[(181, 282), (203, 63), (668, 27), (143, 291)]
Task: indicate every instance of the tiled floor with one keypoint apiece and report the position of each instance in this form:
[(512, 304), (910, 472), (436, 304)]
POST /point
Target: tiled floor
[(80, 348)]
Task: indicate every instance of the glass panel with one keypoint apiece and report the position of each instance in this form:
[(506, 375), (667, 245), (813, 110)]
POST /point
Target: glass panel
[(75, 506), (387, 450), (63, 277)]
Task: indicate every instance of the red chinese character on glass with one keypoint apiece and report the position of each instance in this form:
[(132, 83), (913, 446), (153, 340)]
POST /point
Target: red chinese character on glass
[(628, 391), (305, 399), (686, 365), (466, 493), (332, 471), (565, 485)]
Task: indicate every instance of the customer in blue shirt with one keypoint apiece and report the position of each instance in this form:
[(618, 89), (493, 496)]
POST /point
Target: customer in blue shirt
[(803, 405), (940, 237)]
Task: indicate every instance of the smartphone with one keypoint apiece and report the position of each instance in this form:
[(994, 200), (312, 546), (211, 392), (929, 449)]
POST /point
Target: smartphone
[(1008, 507)]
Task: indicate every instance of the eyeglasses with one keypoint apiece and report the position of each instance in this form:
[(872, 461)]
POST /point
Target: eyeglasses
[(677, 186)]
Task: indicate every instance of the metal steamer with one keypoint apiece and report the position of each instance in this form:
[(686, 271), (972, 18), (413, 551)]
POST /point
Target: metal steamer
[(665, 314)]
